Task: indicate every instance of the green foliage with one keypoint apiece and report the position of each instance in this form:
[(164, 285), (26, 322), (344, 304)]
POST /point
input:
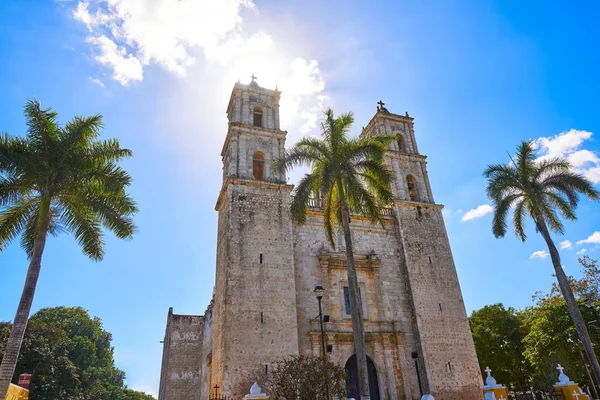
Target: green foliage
[(302, 378), (344, 172), (69, 355), (524, 347), (498, 335), (551, 339), (533, 188), (63, 178)]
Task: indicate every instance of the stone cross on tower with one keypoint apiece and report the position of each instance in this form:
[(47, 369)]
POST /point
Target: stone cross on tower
[(381, 103), (253, 78)]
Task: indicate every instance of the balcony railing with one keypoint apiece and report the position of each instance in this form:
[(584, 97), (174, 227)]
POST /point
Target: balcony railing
[(319, 204)]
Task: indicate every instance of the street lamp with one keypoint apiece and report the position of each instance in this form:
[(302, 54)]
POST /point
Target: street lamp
[(319, 295), (589, 304)]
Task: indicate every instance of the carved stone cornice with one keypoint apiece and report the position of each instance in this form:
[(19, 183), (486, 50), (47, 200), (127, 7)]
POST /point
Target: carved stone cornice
[(338, 260)]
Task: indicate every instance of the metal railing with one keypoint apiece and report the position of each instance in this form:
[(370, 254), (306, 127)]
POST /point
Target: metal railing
[(319, 204)]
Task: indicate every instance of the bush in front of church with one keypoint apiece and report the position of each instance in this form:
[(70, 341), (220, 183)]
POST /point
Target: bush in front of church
[(299, 378)]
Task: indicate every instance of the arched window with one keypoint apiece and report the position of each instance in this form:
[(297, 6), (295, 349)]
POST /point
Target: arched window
[(258, 166), (412, 188), (258, 114), (400, 142)]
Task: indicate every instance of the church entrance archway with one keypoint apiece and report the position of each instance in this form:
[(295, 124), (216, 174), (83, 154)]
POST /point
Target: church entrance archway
[(352, 380)]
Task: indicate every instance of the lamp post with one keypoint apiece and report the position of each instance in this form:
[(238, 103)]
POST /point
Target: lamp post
[(319, 295)]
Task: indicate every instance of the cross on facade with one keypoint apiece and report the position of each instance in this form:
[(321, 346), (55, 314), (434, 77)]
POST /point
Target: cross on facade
[(488, 370), (253, 78), (216, 387), (561, 369), (576, 395), (381, 103)]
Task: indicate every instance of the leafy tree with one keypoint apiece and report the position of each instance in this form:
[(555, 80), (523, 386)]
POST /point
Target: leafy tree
[(69, 355), (552, 339), (58, 178), (541, 190), (498, 335), (350, 176), (300, 378)]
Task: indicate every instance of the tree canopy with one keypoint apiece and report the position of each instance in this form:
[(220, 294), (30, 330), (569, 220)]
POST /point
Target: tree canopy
[(524, 347), (69, 355)]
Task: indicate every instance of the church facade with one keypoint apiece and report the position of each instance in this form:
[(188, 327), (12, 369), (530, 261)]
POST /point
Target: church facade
[(263, 309)]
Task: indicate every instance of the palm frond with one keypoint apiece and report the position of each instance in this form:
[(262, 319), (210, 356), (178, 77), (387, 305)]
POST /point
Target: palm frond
[(301, 196), (42, 127), (566, 181), (561, 204), (30, 230), (519, 219), (305, 155), (12, 189), (13, 154), (331, 213), (84, 225), (14, 217), (502, 208)]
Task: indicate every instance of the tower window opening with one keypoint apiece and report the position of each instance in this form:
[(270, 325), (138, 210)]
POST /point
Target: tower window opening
[(412, 190), (258, 116), (258, 166), (400, 142)]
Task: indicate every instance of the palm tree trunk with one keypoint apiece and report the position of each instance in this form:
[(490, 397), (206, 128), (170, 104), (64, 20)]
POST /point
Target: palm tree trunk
[(567, 293), (13, 346), (358, 330)]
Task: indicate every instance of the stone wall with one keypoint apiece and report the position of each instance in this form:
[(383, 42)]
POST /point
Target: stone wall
[(388, 323), (440, 318), (255, 319), (182, 357)]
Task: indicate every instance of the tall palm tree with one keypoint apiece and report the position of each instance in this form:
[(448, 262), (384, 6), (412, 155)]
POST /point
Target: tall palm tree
[(542, 190), (350, 177), (58, 178)]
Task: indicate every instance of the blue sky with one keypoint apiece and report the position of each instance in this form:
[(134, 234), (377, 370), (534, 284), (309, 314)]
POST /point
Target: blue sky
[(478, 76)]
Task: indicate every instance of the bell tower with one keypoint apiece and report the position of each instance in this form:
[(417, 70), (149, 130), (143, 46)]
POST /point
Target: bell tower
[(255, 320), (446, 360)]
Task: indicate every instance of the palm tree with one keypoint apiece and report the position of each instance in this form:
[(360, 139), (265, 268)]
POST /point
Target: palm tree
[(350, 177), (58, 178), (542, 190)]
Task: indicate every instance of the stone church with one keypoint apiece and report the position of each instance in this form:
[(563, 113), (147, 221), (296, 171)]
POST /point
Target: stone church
[(263, 308)]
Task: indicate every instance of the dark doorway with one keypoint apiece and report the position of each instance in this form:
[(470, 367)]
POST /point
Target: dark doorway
[(352, 382)]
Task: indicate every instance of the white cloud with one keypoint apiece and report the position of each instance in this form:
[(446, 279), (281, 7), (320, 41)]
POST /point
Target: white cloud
[(133, 34), (97, 81), (539, 254), (581, 252), (566, 244), (477, 212), (568, 145), (593, 238), (125, 66)]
